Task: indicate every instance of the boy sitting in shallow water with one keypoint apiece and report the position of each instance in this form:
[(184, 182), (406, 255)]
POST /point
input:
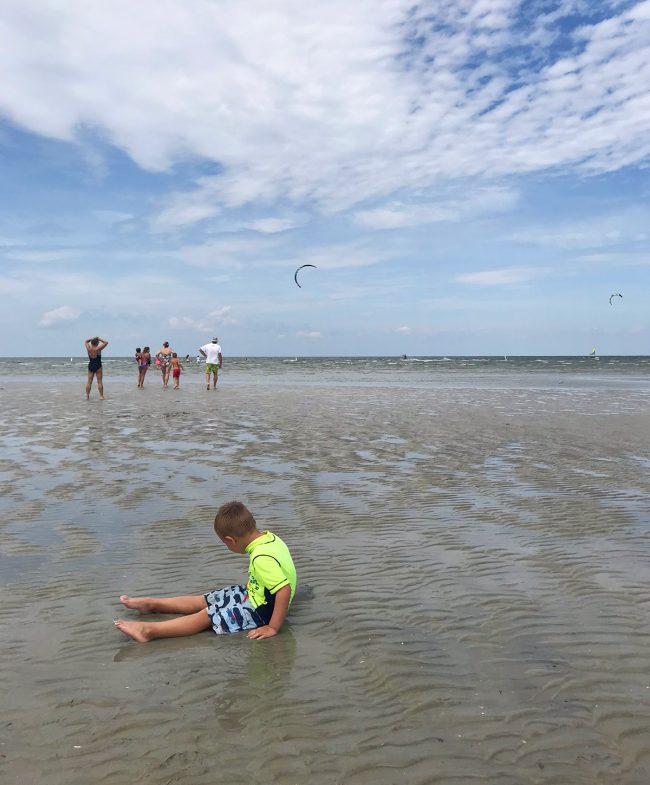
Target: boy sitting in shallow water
[(260, 606)]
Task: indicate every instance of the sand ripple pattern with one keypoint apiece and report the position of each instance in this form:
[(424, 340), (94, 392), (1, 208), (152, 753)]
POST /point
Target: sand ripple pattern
[(477, 565)]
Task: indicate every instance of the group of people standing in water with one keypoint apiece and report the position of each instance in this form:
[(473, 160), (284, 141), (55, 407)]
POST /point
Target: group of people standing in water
[(165, 358)]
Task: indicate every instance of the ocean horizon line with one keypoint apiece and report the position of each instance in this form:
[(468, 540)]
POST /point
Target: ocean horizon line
[(109, 357)]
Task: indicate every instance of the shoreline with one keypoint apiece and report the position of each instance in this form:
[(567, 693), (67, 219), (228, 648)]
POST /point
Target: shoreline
[(477, 563)]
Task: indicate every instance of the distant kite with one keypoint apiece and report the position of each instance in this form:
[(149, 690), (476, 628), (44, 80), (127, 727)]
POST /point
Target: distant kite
[(295, 275), (616, 294)]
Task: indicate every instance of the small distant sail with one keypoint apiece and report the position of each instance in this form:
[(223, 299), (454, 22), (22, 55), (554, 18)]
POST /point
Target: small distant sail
[(592, 353)]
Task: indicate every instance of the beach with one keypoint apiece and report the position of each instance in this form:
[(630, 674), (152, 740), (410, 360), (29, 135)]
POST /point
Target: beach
[(473, 556)]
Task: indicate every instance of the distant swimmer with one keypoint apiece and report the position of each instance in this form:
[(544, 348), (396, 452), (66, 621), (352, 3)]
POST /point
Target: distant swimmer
[(404, 357), (94, 347)]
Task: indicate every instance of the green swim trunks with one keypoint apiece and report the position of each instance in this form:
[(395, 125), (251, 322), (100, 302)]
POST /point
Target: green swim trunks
[(211, 368)]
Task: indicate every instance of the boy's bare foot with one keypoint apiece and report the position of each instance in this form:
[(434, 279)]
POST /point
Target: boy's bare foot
[(134, 629), (135, 603)]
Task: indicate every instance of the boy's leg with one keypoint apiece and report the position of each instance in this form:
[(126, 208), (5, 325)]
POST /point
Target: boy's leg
[(143, 631), (186, 605)]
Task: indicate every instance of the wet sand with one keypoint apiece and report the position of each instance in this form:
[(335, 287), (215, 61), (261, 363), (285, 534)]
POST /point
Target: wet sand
[(477, 564)]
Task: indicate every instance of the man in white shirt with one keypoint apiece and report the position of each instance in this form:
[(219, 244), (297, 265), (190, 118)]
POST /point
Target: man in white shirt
[(213, 360)]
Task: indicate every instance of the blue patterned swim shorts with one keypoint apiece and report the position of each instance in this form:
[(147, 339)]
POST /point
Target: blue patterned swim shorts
[(230, 610)]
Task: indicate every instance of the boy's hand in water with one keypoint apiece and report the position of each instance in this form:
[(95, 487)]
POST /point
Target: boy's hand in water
[(280, 608), (262, 632)]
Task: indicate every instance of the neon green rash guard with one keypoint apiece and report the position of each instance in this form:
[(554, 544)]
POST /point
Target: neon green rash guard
[(270, 568)]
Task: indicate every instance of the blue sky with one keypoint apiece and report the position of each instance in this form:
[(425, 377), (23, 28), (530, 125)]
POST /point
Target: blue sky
[(469, 178)]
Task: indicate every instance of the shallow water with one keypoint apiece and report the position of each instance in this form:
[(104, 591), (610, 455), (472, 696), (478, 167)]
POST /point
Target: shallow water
[(477, 557), (393, 371)]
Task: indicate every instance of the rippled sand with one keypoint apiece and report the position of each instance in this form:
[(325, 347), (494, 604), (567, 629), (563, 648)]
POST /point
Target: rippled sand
[(477, 564)]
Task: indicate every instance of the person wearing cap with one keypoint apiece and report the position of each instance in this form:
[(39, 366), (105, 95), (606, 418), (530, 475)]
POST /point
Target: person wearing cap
[(213, 360)]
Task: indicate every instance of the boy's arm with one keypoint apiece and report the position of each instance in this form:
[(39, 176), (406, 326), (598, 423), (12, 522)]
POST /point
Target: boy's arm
[(282, 597), (220, 360)]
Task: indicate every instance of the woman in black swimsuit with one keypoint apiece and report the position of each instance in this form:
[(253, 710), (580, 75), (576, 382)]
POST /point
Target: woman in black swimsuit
[(94, 348)]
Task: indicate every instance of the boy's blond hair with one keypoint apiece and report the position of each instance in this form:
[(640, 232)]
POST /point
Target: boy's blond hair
[(234, 519)]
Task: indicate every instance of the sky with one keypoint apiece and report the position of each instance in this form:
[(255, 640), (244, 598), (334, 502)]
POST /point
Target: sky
[(467, 177)]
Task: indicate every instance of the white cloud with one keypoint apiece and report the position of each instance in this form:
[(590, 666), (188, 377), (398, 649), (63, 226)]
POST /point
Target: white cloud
[(220, 317), (46, 255), (396, 215), (331, 103), (219, 278), (599, 231), (312, 334), (58, 316), (111, 217), (183, 210), (616, 260), (14, 285), (339, 256), (186, 323), (223, 315), (226, 252), (404, 329), (10, 242), (272, 225), (480, 201), (512, 275)]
